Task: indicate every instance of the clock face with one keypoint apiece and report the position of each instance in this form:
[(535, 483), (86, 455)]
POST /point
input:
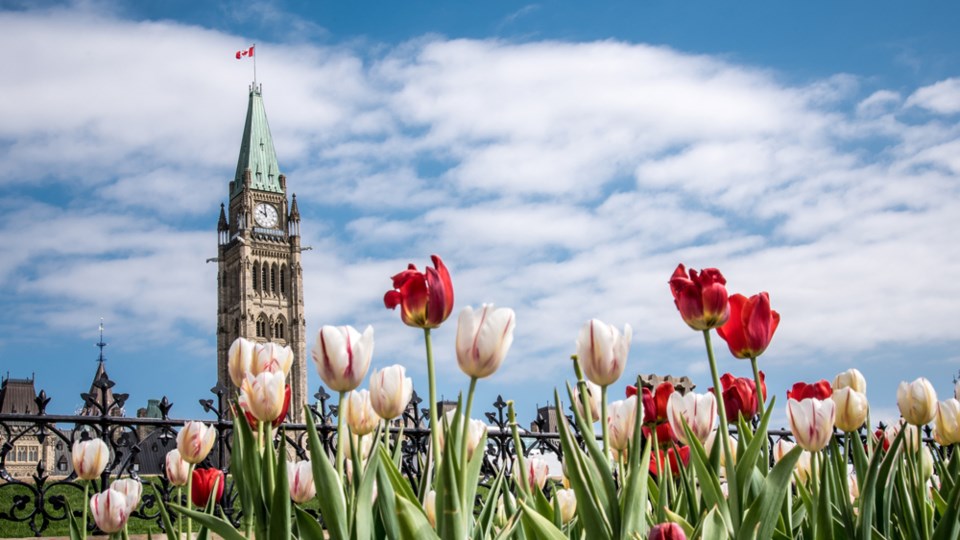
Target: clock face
[(265, 215)]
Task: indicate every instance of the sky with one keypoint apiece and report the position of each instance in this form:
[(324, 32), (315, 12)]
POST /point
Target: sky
[(561, 159)]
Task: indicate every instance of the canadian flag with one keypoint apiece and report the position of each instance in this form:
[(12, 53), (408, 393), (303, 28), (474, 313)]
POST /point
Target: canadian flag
[(245, 53)]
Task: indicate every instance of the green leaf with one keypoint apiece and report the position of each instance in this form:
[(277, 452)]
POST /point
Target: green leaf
[(608, 495), (709, 482), (747, 462), (713, 526), (949, 526), (537, 526), (634, 492), (309, 528), (413, 522), (216, 524), (333, 507), (164, 515), (483, 526), (362, 518), (386, 504), (280, 522), (761, 516), (450, 518), (76, 529)]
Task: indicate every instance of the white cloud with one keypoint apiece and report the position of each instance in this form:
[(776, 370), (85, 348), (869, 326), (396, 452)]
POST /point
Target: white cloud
[(942, 97)]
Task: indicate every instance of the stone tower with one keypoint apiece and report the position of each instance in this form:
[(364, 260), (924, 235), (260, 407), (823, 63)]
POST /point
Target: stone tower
[(260, 282)]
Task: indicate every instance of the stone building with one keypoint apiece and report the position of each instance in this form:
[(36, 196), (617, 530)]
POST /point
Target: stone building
[(27, 451), (260, 281)]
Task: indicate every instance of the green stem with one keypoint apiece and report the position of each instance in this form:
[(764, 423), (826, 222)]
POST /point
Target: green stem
[(86, 504), (603, 420), (518, 448), (814, 488), (432, 379), (761, 405), (190, 500), (724, 433), (465, 459), (340, 439)]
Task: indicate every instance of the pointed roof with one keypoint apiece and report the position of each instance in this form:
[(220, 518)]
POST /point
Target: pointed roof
[(256, 149), (18, 396), (101, 385)]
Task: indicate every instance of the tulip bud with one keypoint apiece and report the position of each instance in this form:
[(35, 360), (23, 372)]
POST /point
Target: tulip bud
[(852, 409), (593, 398), (535, 474), (90, 458), (342, 356), (602, 351), (699, 411), (667, 531), (926, 463), (853, 487), (195, 441), (851, 378), (202, 487), (700, 298), (430, 507), (567, 501), (811, 422), (948, 421), (300, 478), (917, 401), (802, 468), (240, 360), (483, 339), (263, 395), (274, 358), (131, 489), (390, 391), (751, 325), (358, 412), (362, 444), (176, 469), (621, 420), (109, 510)]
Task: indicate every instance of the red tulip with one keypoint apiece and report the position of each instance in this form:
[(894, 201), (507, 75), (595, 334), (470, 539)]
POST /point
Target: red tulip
[(425, 298), (667, 531), (740, 395), (252, 420), (670, 456), (655, 410), (751, 325), (818, 390), (203, 481), (700, 298)]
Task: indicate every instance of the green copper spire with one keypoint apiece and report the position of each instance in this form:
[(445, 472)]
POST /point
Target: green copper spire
[(256, 150)]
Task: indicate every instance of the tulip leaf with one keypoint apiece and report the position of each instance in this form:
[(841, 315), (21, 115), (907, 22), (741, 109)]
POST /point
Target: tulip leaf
[(949, 526), (164, 516), (608, 495), (481, 529), (714, 527), (709, 482), (76, 529), (309, 528), (413, 522), (537, 526), (386, 505), (362, 518), (280, 522), (594, 519), (450, 518), (473, 477), (333, 507), (869, 485), (761, 517), (397, 481), (634, 492), (216, 524), (747, 463)]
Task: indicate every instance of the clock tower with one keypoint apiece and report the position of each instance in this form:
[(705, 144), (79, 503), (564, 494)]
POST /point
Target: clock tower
[(260, 282)]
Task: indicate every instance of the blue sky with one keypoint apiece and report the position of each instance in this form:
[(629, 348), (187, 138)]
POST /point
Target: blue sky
[(562, 160)]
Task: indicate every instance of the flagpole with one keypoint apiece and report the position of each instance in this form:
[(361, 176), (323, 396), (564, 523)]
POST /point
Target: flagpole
[(254, 64)]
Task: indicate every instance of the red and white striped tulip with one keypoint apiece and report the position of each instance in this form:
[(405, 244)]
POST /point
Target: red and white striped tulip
[(390, 391), (917, 401), (195, 441), (602, 351), (699, 411), (621, 420), (274, 358), (176, 469), (300, 478), (852, 409), (811, 422), (342, 356), (90, 458), (263, 395), (593, 398), (109, 510), (131, 489), (483, 339), (535, 475)]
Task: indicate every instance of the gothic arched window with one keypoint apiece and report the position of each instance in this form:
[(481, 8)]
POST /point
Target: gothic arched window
[(273, 278), (265, 278), (278, 330), (261, 326), (283, 279), (256, 276)]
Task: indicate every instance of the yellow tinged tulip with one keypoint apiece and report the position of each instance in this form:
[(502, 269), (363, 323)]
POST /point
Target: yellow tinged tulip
[(851, 378), (90, 458), (240, 360), (852, 409), (917, 401), (358, 412), (948, 421), (567, 501), (132, 489), (390, 391), (195, 441)]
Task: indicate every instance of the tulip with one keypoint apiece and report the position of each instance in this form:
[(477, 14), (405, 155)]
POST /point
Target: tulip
[(300, 477), (711, 439), (700, 298), (358, 412), (593, 398), (483, 339), (811, 422), (852, 409), (195, 441), (110, 510), (667, 531), (263, 395), (887, 434), (851, 378), (240, 359), (274, 358), (698, 410), (363, 444), (342, 356), (803, 467), (602, 351), (917, 401), (566, 500), (430, 507), (670, 458), (131, 489), (390, 391), (252, 420), (176, 469), (425, 298), (740, 395), (536, 472), (853, 487), (203, 484), (819, 390), (655, 411), (90, 458), (751, 325), (621, 419), (475, 431), (948, 421)]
